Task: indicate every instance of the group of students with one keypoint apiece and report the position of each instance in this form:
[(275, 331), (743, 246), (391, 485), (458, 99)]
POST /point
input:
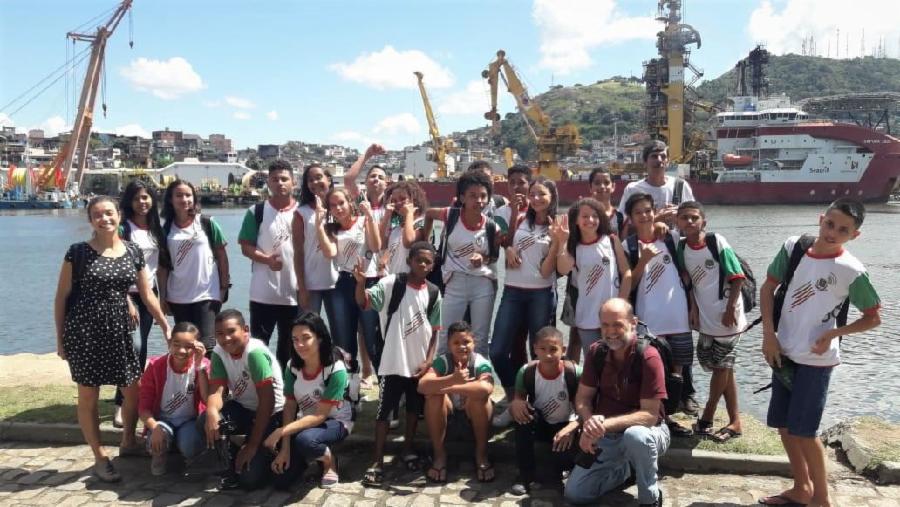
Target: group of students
[(420, 316)]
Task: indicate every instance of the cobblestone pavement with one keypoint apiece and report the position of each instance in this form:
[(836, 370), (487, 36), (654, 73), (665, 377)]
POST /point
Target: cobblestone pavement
[(34, 475)]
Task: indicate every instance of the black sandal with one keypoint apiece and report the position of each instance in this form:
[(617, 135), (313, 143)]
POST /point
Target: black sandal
[(374, 477), (703, 428), (483, 470), (440, 473)]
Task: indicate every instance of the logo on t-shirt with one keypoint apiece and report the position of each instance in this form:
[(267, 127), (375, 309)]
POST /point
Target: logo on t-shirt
[(698, 274), (561, 396), (802, 294), (412, 326), (351, 249), (280, 235), (594, 277), (709, 263), (464, 250), (525, 242), (666, 259), (241, 385), (823, 283), (656, 272), (184, 248)]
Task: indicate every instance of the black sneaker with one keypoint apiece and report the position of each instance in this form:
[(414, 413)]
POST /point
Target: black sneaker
[(229, 481)]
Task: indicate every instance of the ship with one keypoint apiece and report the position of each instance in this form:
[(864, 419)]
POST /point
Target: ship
[(763, 150)]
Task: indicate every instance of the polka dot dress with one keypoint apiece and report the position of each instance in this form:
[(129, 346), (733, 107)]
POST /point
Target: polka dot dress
[(97, 334)]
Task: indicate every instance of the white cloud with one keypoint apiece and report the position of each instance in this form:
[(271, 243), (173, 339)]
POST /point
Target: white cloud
[(212, 104), (166, 79), (272, 115), (54, 125), (474, 99), (241, 115), (783, 28), (570, 29), (6, 121), (390, 68), (238, 102), (132, 129), (403, 123)]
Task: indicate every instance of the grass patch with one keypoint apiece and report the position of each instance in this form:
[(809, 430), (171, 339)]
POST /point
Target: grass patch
[(879, 437), (49, 404), (757, 438)]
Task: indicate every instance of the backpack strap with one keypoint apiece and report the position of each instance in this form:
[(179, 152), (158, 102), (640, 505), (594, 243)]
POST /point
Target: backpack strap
[(206, 225), (452, 217), (433, 292), (493, 246), (571, 378), (712, 244), (678, 192), (259, 211), (803, 244), (397, 292), (600, 362), (529, 378), (620, 221), (631, 249), (125, 230)]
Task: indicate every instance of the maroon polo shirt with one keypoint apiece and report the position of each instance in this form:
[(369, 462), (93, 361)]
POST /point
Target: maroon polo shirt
[(617, 392)]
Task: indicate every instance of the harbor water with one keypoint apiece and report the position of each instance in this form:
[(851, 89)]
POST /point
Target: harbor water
[(32, 245)]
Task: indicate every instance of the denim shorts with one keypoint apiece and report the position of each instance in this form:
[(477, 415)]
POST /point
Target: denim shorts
[(800, 408)]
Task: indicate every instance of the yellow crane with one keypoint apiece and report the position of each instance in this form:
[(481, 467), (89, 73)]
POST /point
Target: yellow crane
[(84, 119), (441, 147), (553, 143)]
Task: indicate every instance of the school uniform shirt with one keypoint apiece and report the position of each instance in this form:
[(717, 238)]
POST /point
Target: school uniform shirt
[(533, 245), (461, 244), (814, 297), (273, 236), (177, 403), (483, 371), (596, 278), (144, 239), (397, 253), (704, 272), (551, 395), (319, 272), (662, 196), (372, 267), (351, 245), (503, 216), (195, 276), (406, 342), (255, 367), (661, 300), (328, 385)]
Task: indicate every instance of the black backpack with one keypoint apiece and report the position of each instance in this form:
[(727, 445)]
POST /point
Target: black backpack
[(451, 364), (678, 191), (571, 377), (205, 224), (453, 215), (351, 394), (633, 252), (748, 288), (79, 266), (397, 292), (647, 339)]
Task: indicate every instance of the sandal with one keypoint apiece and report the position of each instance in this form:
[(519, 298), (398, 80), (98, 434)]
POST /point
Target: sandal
[(105, 471), (485, 472), (678, 430), (411, 462), (724, 435), (780, 500), (436, 475), (703, 428), (374, 477), (329, 480)]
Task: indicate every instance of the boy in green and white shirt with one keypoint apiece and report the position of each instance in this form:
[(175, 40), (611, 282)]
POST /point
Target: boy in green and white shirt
[(459, 380), (250, 372), (718, 316), (805, 346)]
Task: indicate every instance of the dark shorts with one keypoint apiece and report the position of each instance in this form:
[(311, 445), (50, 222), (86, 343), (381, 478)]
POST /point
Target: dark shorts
[(682, 345), (800, 408), (392, 388)]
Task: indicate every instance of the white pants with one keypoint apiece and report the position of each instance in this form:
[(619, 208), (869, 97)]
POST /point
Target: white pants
[(475, 293)]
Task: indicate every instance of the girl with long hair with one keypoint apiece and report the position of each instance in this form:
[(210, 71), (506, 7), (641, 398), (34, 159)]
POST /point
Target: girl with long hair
[(316, 274)]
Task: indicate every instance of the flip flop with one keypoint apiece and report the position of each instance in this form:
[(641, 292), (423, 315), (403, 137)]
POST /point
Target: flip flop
[(440, 473), (780, 500), (483, 470), (724, 435), (374, 477), (703, 428)]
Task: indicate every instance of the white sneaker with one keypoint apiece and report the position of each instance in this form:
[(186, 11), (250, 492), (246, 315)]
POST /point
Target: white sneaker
[(502, 419), (117, 418), (158, 464), (394, 424)]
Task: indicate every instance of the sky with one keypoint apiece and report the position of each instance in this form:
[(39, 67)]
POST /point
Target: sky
[(341, 71)]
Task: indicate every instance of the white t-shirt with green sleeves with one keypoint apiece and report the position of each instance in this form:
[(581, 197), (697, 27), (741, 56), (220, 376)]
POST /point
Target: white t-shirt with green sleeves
[(194, 276), (704, 271), (328, 385), (273, 236), (255, 367), (483, 371), (406, 341), (551, 395), (814, 297)]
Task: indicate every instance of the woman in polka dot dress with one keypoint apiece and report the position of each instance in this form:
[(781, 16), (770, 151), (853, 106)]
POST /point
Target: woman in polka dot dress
[(93, 331)]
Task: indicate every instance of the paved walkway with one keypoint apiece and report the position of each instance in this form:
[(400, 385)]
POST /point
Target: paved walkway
[(31, 474)]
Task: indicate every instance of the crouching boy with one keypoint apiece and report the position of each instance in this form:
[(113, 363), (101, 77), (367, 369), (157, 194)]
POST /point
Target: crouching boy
[(543, 408), (802, 322), (459, 381), (173, 389), (250, 372)]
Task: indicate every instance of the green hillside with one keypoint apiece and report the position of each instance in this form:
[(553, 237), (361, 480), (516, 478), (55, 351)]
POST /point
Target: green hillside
[(592, 108)]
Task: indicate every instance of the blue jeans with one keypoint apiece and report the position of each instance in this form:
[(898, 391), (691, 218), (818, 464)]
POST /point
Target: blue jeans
[(346, 314), (371, 328), (639, 447), (588, 337), (309, 445), (520, 309), (189, 439), (260, 468)]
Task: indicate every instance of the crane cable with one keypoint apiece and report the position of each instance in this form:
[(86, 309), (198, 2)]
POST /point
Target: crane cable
[(42, 90), (103, 14), (82, 54)]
